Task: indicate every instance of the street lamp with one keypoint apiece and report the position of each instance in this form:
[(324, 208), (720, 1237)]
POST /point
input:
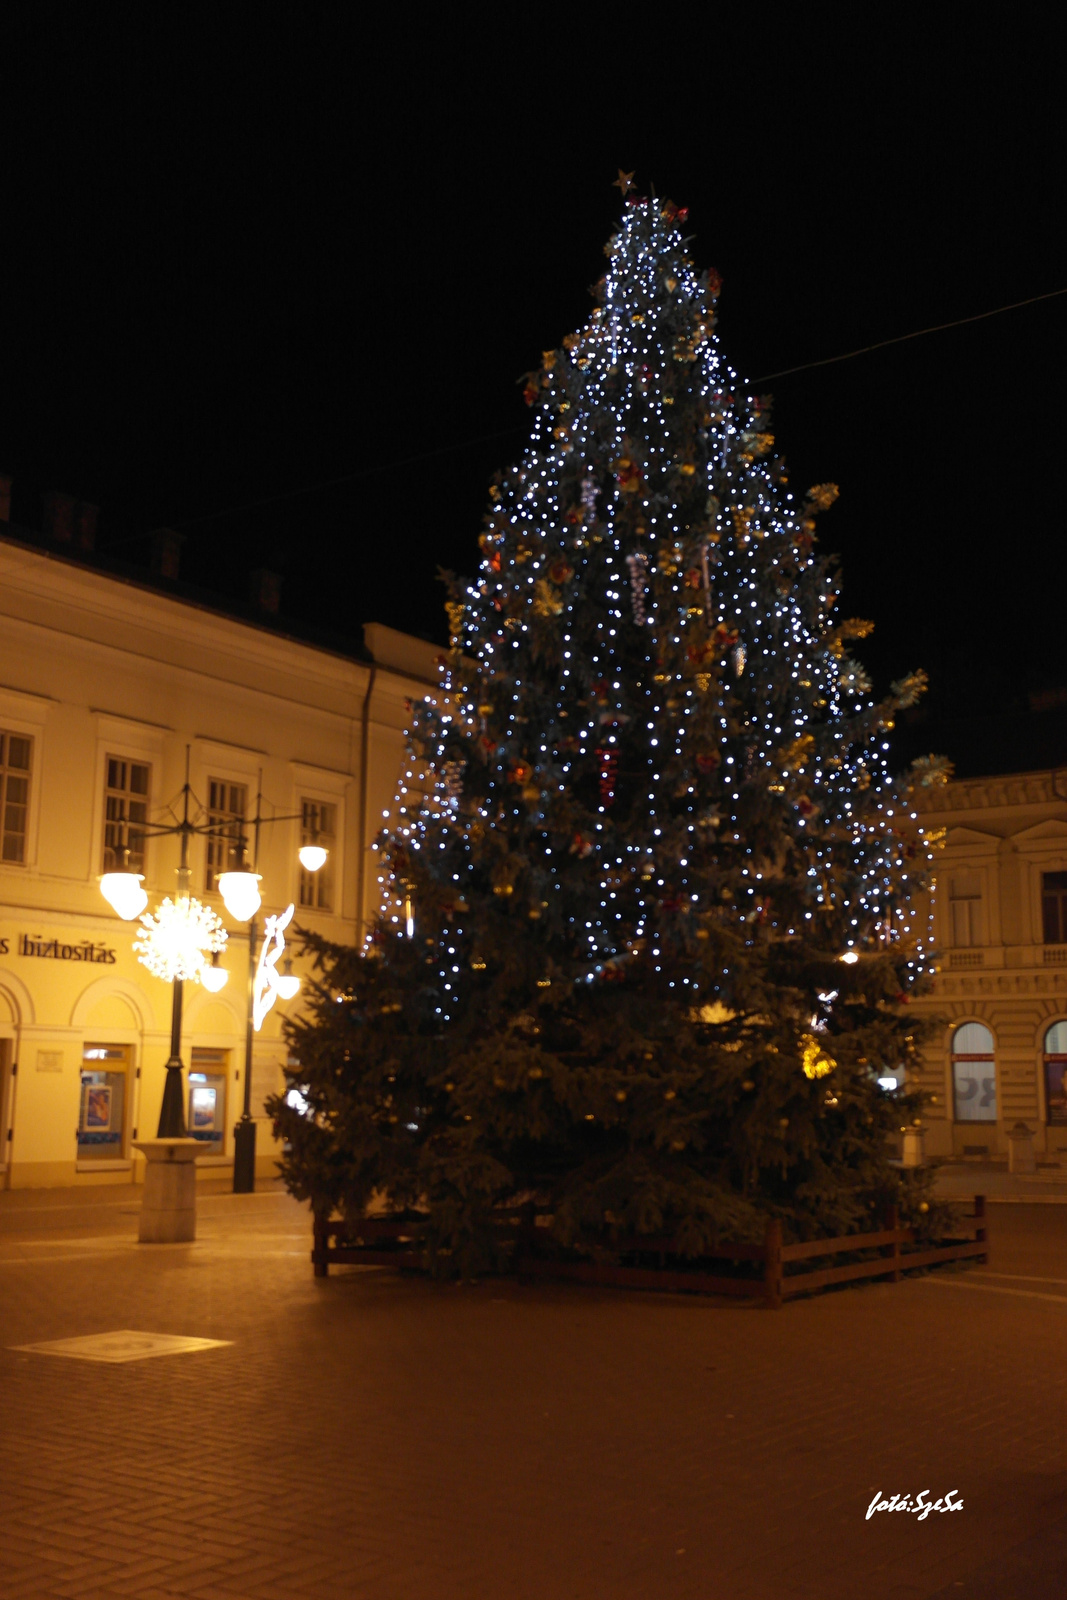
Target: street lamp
[(182, 939), (179, 942), (241, 897)]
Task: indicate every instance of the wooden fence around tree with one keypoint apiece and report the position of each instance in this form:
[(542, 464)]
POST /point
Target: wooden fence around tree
[(771, 1271)]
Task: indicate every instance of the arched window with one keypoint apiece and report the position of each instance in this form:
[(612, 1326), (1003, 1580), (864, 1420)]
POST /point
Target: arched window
[(1056, 1072), (974, 1077)]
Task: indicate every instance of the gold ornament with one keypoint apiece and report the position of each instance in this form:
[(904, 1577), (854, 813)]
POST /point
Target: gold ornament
[(822, 496), (546, 601), (815, 1061), (624, 182), (716, 1013)]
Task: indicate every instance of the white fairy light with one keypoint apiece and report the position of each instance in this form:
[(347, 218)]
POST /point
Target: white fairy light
[(178, 939)]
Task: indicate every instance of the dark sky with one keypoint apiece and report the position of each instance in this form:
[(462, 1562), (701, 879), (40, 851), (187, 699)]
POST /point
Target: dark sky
[(240, 257)]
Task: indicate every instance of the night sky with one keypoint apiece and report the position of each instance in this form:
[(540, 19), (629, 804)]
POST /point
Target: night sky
[(243, 259)]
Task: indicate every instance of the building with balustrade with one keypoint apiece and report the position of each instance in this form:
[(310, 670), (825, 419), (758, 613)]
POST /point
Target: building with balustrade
[(999, 1051)]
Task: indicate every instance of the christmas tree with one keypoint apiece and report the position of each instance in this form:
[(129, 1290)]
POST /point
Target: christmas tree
[(649, 889)]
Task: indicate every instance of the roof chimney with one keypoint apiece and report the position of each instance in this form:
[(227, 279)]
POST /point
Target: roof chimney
[(166, 552), (5, 497), (58, 511), (266, 590)]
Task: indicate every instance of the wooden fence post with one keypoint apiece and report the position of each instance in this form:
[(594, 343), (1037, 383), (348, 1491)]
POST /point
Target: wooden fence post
[(893, 1250), (320, 1248), (981, 1233), (772, 1265)]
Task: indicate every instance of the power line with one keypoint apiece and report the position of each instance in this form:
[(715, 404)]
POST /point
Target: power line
[(902, 338), (503, 433)]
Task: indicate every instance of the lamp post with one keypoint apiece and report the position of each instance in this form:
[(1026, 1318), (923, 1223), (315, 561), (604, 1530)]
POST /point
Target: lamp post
[(240, 893), (182, 940)]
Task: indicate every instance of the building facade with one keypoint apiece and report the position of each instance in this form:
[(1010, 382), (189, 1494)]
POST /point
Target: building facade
[(107, 688), (999, 1052)]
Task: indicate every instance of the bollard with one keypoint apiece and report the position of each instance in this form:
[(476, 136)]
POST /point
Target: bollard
[(1021, 1156)]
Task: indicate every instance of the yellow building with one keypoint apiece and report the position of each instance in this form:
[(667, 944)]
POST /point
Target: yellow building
[(1000, 922), (105, 683)]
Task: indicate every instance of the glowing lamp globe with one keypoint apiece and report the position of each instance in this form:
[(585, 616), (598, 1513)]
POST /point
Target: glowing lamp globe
[(240, 894), (287, 985), (214, 978), (123, 892), (312, 857)]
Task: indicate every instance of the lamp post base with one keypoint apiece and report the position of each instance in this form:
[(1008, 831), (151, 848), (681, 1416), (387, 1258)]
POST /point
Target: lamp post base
[(168, 1207), (244, 1156)]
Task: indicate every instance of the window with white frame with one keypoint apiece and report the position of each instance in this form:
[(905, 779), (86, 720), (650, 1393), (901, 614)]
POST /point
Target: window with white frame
[(974, 1073), (318, 825), (126, 800), (965, 909), (16, 753), (227, 805)]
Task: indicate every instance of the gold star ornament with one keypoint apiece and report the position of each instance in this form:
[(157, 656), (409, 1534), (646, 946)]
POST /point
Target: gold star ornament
[(624, 182)]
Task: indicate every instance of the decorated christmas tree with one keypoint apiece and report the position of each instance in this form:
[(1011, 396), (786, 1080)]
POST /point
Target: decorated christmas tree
[(649, 889)]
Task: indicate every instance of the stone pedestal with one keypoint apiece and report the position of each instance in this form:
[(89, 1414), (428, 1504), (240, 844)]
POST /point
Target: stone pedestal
[(1021, 1156), (168, 1209), (914, 1151)]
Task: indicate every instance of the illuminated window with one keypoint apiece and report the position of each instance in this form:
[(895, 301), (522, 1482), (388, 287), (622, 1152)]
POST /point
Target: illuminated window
[(205, 1115), (15, 753), (125, 813), (965, 909), (1054, 907), (103, 1107), (974, 1077), (226, 805), (318, 826), (1056, 1072)]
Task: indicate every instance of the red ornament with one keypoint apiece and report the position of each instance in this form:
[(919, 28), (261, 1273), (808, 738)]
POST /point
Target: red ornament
[(628, 475), (707, 761), (609, 762)]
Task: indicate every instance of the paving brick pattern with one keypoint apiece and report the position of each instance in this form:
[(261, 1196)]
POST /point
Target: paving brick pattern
[(376, 1436)]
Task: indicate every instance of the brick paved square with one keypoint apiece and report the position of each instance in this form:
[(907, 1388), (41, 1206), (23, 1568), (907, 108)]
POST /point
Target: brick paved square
[(377, 1435)]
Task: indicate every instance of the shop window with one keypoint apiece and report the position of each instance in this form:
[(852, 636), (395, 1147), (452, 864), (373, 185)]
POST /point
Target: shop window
[(318, 826), (965, 909), (226, 805), (15, 754), (1054, 907), (1056, 1073), (206, 1112), (104, 1103), (974, 1079), (125, 814)]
